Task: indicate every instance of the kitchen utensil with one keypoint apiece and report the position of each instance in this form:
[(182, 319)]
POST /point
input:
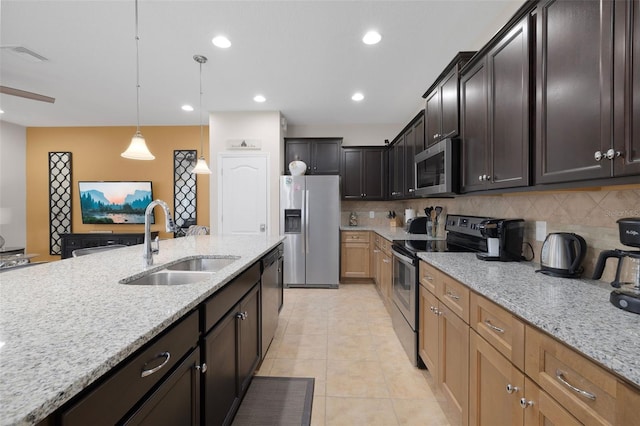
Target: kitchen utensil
[(627, 280), (562, 255)]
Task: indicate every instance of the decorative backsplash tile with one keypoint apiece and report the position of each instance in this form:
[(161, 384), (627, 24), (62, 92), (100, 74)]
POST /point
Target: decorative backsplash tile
[(589, 213)]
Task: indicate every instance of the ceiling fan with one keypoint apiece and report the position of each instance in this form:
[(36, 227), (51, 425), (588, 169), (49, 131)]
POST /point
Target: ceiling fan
[(24, 94)]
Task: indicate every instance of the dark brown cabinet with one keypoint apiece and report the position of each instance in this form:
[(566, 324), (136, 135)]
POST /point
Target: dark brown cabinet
[(322, 155), (574, 85), (402, 152), (232, 353), (626, 131), (158, 366), (442, 102), (363, 173), (495, 94), (396, 168)]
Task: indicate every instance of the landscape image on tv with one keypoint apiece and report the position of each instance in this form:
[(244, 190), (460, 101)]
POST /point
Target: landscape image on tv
[(114, 202)]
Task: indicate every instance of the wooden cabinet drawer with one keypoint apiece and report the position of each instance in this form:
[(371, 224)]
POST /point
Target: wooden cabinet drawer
[(453, 294), (112, 398), (428, 276), (586, 390), (499, 327), (355, 236)]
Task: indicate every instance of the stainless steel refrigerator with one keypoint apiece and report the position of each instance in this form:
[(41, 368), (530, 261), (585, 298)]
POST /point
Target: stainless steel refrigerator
[(310, 220)]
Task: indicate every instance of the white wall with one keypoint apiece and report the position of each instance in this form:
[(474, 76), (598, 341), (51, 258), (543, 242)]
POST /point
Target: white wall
[(263, 126), (13, 184), (352, 134)]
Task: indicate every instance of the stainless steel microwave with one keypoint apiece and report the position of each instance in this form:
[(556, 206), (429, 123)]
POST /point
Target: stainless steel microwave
[(437, 169)]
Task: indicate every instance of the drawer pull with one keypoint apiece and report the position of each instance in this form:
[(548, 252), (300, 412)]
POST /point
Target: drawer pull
[(167, 357), (453, 295), (428, 277), (386, 260), (493, 327), (561, 379)]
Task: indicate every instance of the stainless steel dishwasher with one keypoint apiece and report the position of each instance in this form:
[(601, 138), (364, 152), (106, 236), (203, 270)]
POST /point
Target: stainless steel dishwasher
[(271, 291)]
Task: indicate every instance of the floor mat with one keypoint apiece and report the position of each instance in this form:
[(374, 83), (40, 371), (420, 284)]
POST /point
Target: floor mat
[(276, 401)]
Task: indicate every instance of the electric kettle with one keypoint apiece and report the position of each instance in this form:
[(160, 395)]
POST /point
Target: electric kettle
[(562, 255)]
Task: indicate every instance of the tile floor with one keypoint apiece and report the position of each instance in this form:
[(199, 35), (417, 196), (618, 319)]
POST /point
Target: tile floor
[(345, 340)]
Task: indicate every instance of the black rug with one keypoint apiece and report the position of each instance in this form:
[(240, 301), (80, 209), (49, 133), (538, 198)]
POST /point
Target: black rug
[(276, 401)]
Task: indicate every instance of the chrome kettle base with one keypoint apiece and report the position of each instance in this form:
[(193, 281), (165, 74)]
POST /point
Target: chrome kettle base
[(560, 273), (627, 300)]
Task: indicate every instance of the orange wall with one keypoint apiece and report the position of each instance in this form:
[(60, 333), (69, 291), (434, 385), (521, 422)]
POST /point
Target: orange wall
[(96, 156)]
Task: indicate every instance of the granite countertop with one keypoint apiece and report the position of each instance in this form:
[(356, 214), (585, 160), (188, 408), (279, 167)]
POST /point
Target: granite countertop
[(575, 311), (64, 324), (391, 233)]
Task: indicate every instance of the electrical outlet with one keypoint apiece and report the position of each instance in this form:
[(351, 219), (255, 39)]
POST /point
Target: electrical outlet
[(372, 214), (541, 230)]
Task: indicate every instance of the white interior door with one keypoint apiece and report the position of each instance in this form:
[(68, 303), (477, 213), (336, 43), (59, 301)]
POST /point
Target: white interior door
[(243, 194)]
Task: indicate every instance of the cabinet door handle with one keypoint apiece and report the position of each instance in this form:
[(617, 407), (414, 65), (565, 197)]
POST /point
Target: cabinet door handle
[(561, 379), (511, 389), (612, 153), (167, 357), (376, 251), (202, 368), (597, 155), (410, 190), (493, 327), (386, 260), (453, 295), (435, 136), (524, 403), (242, 315)]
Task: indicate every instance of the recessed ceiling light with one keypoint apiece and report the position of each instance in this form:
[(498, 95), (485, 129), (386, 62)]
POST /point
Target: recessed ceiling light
[(221, 42), (188, 108), (357, 97), (1, 111), (372, 37), (259, 98)]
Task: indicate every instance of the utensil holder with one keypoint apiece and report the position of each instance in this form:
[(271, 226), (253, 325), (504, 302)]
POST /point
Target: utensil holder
[(394, 222)]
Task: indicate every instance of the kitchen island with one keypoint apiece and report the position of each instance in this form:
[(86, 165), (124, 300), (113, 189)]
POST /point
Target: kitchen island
[(65, 324)]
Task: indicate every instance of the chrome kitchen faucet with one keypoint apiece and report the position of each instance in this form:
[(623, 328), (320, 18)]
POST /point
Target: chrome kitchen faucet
[(169, 224)]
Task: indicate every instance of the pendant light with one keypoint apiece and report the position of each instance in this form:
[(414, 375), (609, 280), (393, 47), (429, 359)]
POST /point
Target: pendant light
[(201, 167), (137, 149)]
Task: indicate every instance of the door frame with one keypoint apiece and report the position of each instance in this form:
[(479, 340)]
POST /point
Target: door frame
[(253, 154)]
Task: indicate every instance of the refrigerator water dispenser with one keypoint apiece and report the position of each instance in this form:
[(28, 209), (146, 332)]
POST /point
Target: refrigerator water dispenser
[(292, 221)]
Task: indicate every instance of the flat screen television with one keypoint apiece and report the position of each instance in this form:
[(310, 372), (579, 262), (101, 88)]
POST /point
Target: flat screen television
[(114, 202)]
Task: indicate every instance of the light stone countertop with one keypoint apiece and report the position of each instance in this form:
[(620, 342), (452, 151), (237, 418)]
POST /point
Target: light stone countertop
[(64, 324), (391, 233), (576, 312)]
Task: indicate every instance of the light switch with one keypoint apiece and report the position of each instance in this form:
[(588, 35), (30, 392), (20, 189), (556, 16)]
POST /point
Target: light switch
[(372, 214), (541, 230)]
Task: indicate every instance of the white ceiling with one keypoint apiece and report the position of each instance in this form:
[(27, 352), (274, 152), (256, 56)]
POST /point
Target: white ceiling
[(305, 57)]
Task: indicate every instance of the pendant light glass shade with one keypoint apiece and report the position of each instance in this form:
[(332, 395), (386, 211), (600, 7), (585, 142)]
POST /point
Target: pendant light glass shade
[(137, 149), (201, 167)]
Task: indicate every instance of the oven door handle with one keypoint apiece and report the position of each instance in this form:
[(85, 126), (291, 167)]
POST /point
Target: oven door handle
[(402, 257)]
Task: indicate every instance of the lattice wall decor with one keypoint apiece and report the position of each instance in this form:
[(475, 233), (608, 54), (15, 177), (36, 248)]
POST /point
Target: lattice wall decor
[(59, 198), (184, 189)]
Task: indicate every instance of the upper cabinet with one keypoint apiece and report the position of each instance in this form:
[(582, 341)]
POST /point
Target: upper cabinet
[(626, 129), (322, 155), (574, 53), (402, 153), (442, 102), (495, 96), (363, 173)]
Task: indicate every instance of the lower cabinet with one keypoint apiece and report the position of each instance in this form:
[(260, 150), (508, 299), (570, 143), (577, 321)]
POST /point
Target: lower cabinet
[(355, 254), (498, 371), (229, 371), (382, 268)]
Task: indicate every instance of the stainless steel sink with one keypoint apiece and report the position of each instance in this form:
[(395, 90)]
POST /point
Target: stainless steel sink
[(204, 264), (165, 277)]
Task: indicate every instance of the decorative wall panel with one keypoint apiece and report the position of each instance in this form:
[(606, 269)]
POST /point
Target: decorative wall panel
[(184, 190), (60, 184)]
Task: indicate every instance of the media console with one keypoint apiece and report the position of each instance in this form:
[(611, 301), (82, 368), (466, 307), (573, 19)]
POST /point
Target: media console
[(71, 242)]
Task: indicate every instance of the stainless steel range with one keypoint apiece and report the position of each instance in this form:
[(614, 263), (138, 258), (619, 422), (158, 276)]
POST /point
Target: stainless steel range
[(463, 235)]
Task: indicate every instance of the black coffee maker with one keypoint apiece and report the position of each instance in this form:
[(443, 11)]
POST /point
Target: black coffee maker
[(504, 239), (627, 281)]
